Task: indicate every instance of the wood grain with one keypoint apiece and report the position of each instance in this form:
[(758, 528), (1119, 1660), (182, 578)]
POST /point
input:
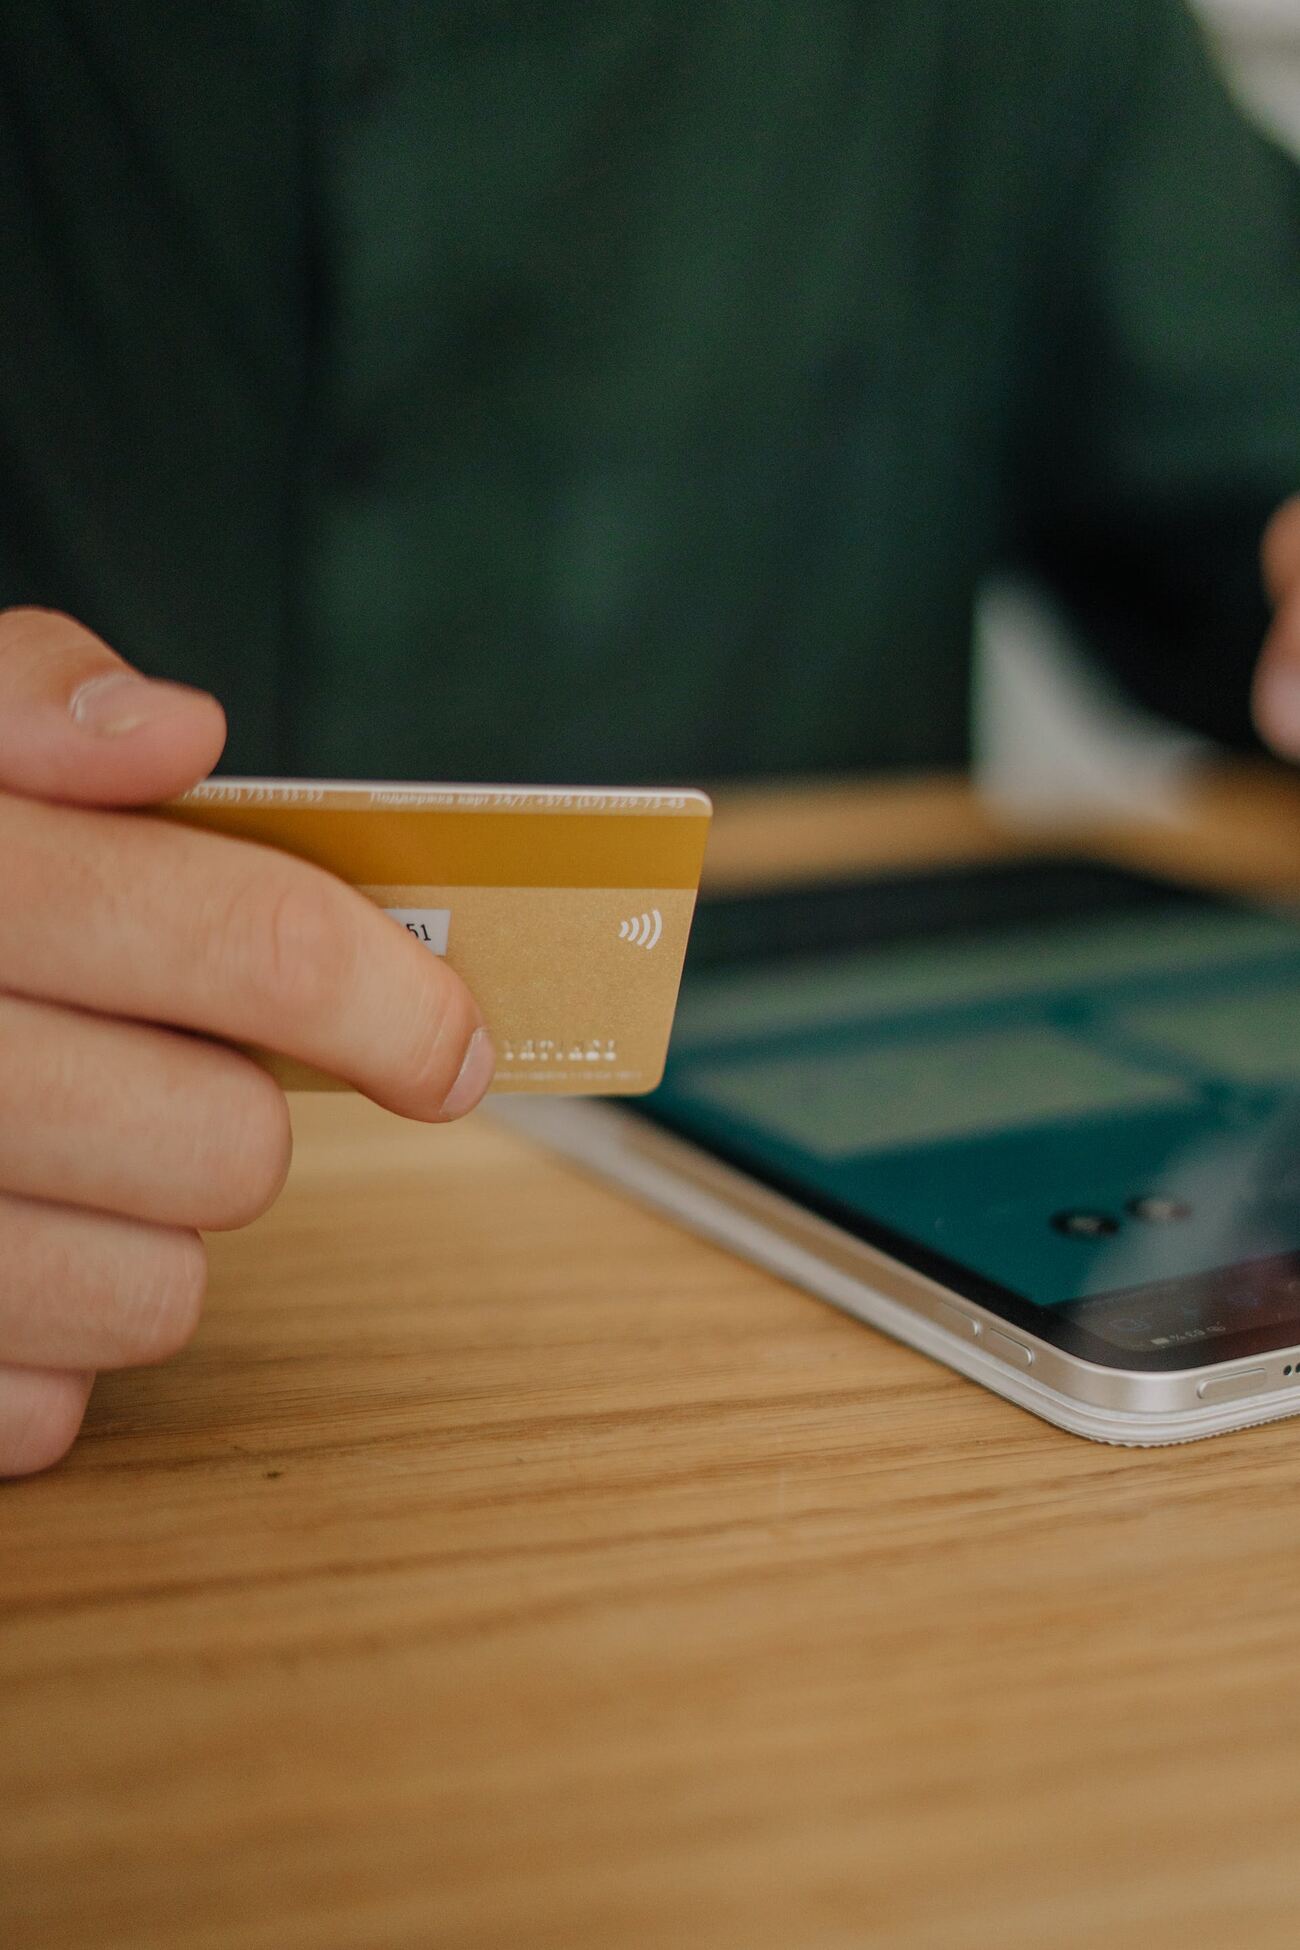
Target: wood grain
[(503, 1567)]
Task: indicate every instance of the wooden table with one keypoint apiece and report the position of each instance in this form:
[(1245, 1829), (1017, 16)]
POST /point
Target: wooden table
[(503, 1569)]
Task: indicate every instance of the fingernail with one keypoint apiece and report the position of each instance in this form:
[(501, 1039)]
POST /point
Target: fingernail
[(476, 1073), (1279, 712), (120, 701)]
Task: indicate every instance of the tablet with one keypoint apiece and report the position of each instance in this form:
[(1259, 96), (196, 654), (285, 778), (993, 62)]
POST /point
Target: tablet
[(1041, 1118)]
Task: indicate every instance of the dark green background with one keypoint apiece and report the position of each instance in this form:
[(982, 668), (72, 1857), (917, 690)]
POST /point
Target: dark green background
[(604, 391)]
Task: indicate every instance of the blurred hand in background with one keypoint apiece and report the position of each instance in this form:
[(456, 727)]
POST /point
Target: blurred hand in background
[(1277, 680)]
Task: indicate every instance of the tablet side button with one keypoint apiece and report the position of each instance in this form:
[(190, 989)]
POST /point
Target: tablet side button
[(1229, 1387), (1013, 1352), (956, 1321)]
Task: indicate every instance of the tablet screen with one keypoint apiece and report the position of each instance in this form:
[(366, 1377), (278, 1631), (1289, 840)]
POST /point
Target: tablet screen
[(1090, 1120)]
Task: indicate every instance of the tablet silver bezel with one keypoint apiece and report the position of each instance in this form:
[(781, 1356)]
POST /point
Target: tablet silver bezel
[(1108, 1404)]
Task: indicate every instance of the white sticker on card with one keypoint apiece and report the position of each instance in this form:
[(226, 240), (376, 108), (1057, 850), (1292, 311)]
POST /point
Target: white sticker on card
[(431, 925)]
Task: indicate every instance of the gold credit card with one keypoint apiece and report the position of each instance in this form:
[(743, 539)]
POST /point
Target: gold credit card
[(566, 912)]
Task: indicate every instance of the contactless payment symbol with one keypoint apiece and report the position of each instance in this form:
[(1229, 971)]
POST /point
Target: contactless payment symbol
[(643, 930)]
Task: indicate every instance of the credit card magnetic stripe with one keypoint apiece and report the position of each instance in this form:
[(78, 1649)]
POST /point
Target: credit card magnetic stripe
[(474, 849)]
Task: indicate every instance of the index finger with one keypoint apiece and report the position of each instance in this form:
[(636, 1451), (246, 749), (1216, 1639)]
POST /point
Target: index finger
[(78, 724), (133, 916)]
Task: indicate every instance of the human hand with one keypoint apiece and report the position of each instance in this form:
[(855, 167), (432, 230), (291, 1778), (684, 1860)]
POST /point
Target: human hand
[(131, 949), (1276, 698)]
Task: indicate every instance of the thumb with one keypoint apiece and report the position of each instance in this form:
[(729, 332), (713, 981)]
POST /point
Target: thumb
[(79, 725)]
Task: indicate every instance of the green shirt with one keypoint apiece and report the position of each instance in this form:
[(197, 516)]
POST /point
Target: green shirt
[(592, 390)]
